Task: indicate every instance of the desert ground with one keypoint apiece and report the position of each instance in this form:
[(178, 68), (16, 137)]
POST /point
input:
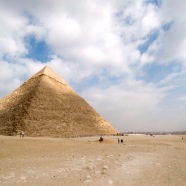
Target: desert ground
[(140, 160)]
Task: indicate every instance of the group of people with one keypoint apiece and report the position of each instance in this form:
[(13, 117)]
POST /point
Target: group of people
[(119, 140)]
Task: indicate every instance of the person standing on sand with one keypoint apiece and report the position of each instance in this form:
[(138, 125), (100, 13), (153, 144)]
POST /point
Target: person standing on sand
[(101, 139), (118, 140)]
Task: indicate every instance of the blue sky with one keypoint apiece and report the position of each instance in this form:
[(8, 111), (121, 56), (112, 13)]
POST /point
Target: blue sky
[(37, 50), (126, 58)]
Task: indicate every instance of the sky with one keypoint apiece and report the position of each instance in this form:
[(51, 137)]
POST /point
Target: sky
[(126, 58)]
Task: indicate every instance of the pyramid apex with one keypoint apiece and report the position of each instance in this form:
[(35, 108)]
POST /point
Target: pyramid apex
[(50, 73), (45, 69)]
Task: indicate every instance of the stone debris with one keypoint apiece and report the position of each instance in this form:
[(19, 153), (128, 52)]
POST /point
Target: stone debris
[(87, 179), (104, 169), (110, 182), (90, 167), (97, 172)]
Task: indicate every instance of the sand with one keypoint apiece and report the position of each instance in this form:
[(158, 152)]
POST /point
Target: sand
[(141, 160)]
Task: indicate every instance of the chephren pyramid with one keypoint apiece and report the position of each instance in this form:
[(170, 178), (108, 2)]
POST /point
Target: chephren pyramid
[(45, 105)]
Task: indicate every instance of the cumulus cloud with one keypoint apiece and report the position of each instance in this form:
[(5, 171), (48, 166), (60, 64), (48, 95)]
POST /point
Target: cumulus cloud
[(172, 42), (122, 103), (107, 51), (182, 98)]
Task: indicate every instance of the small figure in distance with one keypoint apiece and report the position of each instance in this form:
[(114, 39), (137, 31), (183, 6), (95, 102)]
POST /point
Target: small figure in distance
[(182, 138), (22, 134), (121, 140), (118, 140), (101, 139)]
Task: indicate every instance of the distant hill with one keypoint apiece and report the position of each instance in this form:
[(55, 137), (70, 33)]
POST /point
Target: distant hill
[(157, 133), (45, 105)]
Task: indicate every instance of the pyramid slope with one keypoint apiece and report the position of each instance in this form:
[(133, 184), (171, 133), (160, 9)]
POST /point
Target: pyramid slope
[(14, 107), (46, 106)]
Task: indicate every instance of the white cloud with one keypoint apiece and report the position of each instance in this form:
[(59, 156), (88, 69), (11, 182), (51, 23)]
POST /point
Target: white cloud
[(123, 103), (172, 43), (10, 77), (14, 28), (182, 98), (98, 39), (150, 20)]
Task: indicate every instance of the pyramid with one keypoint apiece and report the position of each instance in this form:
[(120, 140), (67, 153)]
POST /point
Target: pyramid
[(45, 105)]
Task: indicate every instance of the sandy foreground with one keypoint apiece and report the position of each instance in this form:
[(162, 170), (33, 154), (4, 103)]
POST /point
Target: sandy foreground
[(141, 160)]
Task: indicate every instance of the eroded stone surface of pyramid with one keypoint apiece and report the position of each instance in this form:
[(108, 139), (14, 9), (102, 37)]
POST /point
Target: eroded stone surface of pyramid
[(45, 105)]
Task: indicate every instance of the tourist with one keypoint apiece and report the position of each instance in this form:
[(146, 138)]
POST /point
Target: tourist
[(101, 139), (118, 140)]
